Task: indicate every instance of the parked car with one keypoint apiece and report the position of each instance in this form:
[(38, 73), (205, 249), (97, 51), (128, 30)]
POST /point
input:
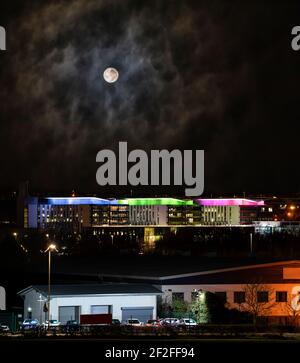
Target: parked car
[(71, 326), (30, 324), (153, 322), (187, 322), (133, 322), (53, 323), (115, 322), (4, 328), (169, 322)]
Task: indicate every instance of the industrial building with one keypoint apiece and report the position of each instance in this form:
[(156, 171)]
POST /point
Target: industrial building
[(68, 302), (272, 288), (2, 298)]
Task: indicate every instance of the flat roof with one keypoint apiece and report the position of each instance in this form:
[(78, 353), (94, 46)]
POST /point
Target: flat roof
[(271, 272), (147, 266)]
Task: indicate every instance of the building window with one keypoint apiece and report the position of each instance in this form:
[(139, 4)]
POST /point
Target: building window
[(239, 297), (262, 296), (222, 296), (178, 296), (281, 296)]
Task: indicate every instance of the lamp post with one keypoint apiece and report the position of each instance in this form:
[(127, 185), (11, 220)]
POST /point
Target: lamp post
[(40, 300), (29, 312), (51, 247)]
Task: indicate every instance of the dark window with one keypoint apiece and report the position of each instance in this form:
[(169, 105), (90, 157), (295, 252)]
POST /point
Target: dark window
[(222, 296), (178, 296), (281, 296), (239, 297), (262, 296)]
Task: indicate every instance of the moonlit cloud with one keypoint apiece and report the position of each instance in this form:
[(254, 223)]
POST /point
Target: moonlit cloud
[(188, 78)]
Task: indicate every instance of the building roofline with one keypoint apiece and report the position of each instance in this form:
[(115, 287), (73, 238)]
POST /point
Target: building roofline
[(229, 202), (25, 290), (201, 273), (36, 288)]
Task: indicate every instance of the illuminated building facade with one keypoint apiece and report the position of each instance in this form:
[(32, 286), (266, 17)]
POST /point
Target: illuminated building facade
[(229, 211), (77, 213), (185, 215), (148, 215)]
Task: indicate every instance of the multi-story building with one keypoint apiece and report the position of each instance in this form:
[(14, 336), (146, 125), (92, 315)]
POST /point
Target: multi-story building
[(76, 213), (162, 211), (224, 211), (66, 214)]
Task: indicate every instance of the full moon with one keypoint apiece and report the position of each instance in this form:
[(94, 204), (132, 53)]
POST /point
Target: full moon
[(110, 75)]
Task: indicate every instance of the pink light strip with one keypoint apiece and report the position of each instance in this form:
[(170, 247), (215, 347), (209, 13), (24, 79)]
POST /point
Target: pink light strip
[(230, 202)]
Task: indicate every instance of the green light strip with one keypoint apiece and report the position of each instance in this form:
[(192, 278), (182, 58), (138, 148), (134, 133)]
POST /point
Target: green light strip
[(155, 201)]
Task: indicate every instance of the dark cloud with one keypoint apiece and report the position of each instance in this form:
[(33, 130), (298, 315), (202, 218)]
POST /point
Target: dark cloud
[(193, 74)]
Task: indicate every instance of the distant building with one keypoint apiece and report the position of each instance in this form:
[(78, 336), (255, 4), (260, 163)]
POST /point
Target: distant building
[(269, 227), (76, 213), (22, 200), (73, 214), (229, 211)]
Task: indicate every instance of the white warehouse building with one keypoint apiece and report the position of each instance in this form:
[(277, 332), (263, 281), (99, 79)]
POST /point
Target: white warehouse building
[(2, 298), (68, 302)]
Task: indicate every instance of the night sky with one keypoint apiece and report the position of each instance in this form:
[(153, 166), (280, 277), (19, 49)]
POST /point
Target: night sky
[(213, 75)]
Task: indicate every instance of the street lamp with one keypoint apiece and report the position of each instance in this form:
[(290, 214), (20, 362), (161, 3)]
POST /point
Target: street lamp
[(51, 247)]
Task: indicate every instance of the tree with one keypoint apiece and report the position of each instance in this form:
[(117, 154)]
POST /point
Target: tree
[(258, 300), (179, 307), (209, 307), (292, 308), (173, 307), (200, 308)]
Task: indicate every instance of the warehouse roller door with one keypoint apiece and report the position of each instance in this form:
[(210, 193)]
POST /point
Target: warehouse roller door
[(66, 313), (101, 309)]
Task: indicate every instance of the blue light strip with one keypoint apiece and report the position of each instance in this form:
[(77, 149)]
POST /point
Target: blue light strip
[(80, 201)]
